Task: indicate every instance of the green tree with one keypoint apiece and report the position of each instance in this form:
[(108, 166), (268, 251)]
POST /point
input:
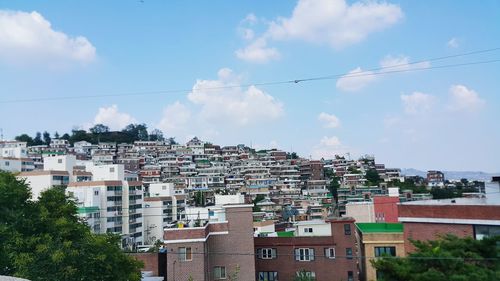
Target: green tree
[(334, 186), (66, 136), (99, 129), (257, 199), (46, 138), (353, 170), (37, 140), (25, 138), (373, 177), (79, 135), (156, 135), (449, 258), (56, 135), (137, 132), (45, 240)]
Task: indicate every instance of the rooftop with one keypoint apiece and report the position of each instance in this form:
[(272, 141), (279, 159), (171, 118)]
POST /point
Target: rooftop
[(380, 227), (456, 201)]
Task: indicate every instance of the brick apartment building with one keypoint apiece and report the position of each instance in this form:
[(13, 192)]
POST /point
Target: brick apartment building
[(325, 250), (219, 249), (463, 217)]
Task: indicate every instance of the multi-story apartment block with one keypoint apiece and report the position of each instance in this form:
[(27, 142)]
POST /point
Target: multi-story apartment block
[(114, 206), (435, 178), (314, 248), (215, 249)]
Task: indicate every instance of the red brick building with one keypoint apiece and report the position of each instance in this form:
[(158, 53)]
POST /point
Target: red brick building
[(385, 208), (214, 251), (463, 217), (325, 257)]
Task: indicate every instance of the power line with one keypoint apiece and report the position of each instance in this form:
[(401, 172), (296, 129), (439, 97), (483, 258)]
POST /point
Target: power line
[(353, 257), (369, 72)]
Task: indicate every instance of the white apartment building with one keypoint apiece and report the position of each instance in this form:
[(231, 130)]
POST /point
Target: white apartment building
[(40, 181), (165, 206), (13, 149), (111, 206), (59, 163)]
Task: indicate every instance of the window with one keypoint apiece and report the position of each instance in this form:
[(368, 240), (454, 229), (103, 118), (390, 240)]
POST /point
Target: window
[(330, 253), (185, 254), (350, 276), (268, 276), (385, 251), (347, 229), (304, 254), (112, 170), (59, 161), (96, 192), (7, 163), (266, 253), (308, 230), (219, 272), (348, 253), (306, 274)]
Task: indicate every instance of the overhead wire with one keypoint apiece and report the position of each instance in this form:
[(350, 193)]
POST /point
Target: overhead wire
[(368, 72)]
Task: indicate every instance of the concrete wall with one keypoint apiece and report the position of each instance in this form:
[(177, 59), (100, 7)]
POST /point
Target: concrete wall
[(361, 212)]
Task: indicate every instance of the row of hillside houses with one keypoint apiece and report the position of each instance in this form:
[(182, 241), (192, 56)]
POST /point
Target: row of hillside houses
[(230, 241)]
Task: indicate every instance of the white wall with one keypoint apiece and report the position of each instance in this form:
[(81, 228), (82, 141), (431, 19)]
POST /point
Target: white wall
[(319, 229), (108, 172), (14, 149), (153, 221), (59, 163), (161, 189), (229, 199), (38, 184), (11, 165)]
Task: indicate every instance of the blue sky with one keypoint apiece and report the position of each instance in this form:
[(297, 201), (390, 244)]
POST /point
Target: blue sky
[(421, 117)]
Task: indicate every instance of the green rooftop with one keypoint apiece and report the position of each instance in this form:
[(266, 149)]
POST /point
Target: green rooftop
[(378, 227), (85, 210), (285, 234)]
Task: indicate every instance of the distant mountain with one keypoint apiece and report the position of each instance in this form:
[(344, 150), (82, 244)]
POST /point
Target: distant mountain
[(453, 175)]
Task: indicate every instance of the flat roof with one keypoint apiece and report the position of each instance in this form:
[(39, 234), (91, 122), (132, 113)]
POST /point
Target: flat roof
[(456, 201), (378, 227)]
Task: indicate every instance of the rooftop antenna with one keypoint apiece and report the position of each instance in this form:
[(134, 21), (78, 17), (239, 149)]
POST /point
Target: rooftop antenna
[(1, 134)]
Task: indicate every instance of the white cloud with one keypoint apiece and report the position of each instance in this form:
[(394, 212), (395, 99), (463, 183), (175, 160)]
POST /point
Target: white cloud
[(335, 22), (328, 147), (175, 118), (111, 117), (225, 101), (464, 99), (332, 22), (398, 63), (358, 78), (330, 141), (329, 120), (453, 43), (417, 103), (355, 80), (258, 52), (29, 37)]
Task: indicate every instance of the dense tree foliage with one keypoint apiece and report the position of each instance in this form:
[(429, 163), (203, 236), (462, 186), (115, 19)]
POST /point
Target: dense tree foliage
[(450, 258), (100, 133), (44, 240), (372, 177), (25, 138)]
